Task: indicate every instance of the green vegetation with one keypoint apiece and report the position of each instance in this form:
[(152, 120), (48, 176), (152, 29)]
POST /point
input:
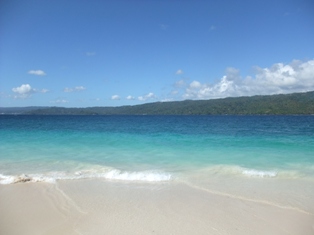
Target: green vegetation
[(297, 103)]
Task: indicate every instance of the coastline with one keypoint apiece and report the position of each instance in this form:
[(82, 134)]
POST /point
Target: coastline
[(95, 206)]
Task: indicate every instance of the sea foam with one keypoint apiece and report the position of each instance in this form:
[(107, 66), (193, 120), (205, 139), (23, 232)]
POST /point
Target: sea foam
[(5, 179), (259, 173), (235, 170), (137, 176), (111, 174)]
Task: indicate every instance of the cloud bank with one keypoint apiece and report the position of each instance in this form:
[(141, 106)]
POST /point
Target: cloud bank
[(280, 78)]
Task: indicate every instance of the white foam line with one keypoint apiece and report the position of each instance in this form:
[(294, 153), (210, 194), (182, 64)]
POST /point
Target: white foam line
[(113, 174), (257, 173), (136, 176), (4, 179), (249, 199)]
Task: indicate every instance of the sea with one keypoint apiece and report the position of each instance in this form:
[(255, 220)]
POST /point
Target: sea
[(155, 149)]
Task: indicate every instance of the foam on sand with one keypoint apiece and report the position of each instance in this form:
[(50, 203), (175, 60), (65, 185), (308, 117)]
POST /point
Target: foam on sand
[(259, 173), (289, 172), (109, 174)]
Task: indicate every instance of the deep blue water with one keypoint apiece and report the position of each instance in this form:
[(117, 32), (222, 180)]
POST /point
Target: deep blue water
[(155, 147)]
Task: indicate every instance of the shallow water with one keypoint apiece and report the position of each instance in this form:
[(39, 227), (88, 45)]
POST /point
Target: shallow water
[(155, 148)]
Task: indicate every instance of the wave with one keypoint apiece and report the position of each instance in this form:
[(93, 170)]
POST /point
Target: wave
[(259, 173), (112, 174), (290, 172), (293, 172), (235, 170), (109, 173)]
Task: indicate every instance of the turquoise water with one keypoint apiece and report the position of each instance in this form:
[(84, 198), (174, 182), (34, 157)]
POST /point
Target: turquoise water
[(154, 148)]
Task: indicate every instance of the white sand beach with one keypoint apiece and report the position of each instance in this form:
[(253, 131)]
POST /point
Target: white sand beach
[(93, 207)]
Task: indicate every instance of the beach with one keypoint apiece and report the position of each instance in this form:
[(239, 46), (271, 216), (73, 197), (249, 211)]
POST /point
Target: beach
[(110, 207), (214, 175)]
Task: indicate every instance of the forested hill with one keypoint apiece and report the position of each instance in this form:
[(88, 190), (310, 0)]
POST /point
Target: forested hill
[(297, 103)]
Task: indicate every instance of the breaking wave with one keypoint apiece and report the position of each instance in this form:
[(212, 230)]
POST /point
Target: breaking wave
[(112, 174), (259, 173), (292, 172), (235, 170)]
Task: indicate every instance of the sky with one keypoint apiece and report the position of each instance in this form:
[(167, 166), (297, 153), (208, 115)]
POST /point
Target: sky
[(83, 53)]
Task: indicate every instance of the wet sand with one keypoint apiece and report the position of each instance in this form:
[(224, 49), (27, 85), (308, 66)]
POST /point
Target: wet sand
[(93, 207)]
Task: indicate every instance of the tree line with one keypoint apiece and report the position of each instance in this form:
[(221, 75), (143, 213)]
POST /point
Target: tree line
[(285, 104)]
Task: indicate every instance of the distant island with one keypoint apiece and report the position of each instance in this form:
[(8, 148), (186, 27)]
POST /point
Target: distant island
[(296, 103)]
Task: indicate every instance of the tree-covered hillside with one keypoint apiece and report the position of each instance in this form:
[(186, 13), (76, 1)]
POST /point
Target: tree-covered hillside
[(297, 103)]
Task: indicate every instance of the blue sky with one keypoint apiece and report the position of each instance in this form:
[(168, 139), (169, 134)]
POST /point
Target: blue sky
[(125, 52)]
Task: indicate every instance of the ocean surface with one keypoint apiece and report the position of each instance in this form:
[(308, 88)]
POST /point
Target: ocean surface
[(155, 148)]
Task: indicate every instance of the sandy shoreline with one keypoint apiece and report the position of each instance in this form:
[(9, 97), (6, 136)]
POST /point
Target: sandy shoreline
[(101, 207)]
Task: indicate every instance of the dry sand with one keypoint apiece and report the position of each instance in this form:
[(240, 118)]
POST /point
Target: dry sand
[(93, 207)]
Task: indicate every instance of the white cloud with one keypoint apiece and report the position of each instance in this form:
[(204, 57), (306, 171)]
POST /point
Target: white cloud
[(60, 101), (180, 83), (167, 100), (43, 90), (179, 71), (150, 95), (115, 97), (282, 78), (195, 85), (37, 72), (174, 92), (147, 97), (129, 97), (23, 91), (68, 89), (77, 88)]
